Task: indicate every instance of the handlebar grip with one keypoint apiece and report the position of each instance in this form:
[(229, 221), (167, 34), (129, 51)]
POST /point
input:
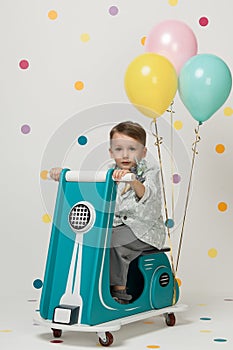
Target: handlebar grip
[(85, 176), (127, 178)]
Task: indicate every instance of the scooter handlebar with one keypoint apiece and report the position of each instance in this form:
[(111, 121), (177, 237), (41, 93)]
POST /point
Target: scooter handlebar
[(92, 176)]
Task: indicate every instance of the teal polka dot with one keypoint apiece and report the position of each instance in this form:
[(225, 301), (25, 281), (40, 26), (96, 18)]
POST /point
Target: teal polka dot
[(220, 340), (169, 223), (82, 140), (37, 284)]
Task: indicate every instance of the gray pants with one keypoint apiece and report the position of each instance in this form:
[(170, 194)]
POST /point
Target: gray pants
[(125, 247)]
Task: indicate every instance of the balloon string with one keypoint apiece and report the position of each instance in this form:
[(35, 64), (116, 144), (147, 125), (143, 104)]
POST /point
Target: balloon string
[(195, 152), (171, 111), (158, 141)]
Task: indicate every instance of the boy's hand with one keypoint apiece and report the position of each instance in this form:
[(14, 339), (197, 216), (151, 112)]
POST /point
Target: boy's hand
[(118, 174), (136, 185), (54, 173)]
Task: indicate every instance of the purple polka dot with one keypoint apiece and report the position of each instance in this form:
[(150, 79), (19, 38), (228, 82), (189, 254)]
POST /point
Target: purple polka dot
[(25, 129), (24, 64), (203, 21), (176, 178), (113, 10)]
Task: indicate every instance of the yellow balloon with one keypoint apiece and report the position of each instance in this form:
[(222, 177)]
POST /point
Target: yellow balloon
[(151, 84)]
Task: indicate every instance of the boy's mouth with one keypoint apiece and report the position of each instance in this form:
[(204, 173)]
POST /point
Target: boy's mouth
[(126, 165)]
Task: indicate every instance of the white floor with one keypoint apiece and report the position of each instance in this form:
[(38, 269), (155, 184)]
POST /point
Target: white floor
[(207, 324)]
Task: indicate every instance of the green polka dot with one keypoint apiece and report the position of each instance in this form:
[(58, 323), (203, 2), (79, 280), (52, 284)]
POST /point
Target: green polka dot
[(220, 340)]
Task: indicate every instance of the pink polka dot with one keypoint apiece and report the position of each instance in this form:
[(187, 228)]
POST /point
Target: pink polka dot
[(203, 21), (24, 64)]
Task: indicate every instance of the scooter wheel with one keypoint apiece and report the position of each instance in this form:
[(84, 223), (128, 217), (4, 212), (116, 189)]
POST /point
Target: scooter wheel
[(108, 341), (170, 319), (57, 333)]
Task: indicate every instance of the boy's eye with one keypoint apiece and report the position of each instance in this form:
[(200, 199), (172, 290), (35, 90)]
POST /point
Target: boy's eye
[(132, 149), (118, 149)]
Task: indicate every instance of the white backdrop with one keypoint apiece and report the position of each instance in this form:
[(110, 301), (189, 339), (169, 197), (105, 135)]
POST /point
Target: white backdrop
[(46, 48)]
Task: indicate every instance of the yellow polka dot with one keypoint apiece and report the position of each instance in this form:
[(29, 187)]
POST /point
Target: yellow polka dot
[(153, 346), (46, 218), (222, 206), (228, 111), (44, 174), (5, 330), (201, 304), (143, 40), (52, 15), (212, 253), (178, 124), (173, 2), (179, 281), (220, 148), (205, 331), (79, 85), (85, 37)]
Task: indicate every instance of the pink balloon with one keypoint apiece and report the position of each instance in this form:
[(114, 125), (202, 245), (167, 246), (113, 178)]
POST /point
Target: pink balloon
[(174, 40)]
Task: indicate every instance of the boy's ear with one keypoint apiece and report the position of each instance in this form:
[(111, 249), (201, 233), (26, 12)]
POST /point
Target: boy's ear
[(144, 152), (110, 152)]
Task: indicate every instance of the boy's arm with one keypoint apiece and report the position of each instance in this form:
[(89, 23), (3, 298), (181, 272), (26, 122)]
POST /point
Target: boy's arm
[(138, 188), (136, 185)]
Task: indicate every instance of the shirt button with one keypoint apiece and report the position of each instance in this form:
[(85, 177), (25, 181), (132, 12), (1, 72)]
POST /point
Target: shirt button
[(125, 217)]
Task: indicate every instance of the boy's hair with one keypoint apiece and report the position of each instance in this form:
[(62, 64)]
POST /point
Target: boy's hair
[(130, 129)]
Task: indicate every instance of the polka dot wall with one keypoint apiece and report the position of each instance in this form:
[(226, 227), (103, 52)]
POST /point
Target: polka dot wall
[(59, 61)]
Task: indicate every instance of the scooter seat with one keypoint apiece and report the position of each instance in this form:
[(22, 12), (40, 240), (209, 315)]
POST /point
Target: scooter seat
[(156, 251)]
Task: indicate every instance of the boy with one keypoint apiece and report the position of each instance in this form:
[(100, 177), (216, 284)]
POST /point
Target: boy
[(138, 223)]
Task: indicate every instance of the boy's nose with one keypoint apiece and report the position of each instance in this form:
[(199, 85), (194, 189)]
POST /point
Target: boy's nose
[(125, 153)]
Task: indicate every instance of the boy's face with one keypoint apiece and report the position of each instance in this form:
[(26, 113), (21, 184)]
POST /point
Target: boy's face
[(125, 151)]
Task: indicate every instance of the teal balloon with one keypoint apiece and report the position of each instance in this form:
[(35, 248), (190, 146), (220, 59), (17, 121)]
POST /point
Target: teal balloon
[(204, 84)]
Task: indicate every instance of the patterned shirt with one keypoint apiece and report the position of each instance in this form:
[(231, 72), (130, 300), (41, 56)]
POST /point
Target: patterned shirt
[(143, 216)]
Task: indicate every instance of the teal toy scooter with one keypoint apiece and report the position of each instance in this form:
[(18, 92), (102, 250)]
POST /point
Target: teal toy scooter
[(76, 287)]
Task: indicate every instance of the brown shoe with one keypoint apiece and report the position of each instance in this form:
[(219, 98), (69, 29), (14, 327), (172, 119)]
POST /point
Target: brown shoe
[(121, 301), (121, 296)]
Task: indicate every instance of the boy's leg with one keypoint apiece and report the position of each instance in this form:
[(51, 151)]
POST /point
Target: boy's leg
[(125, 247)]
